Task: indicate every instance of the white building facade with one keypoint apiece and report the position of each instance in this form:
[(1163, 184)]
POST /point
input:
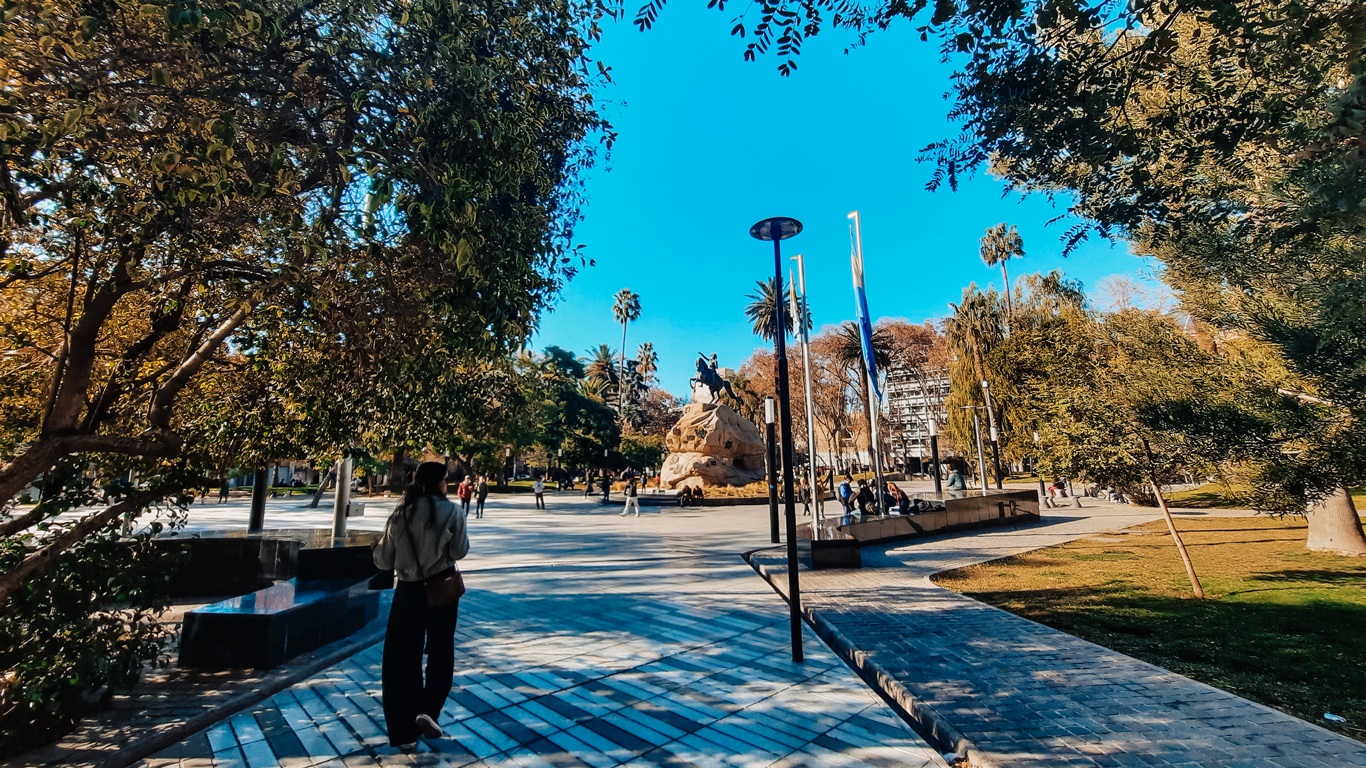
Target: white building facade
[(912, 401)]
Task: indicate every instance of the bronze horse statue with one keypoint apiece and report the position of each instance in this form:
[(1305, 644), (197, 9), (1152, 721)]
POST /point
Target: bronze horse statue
[(713, 381)]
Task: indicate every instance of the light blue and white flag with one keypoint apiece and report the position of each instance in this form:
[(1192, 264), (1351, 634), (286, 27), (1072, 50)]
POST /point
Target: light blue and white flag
[(861, 306)]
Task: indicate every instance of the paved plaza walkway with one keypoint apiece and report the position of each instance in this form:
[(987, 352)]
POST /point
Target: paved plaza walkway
[(1022, 695), (589, 640)]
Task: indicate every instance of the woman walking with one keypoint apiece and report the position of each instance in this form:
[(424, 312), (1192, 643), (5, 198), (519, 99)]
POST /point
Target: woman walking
[(422, 539), (481, 493)]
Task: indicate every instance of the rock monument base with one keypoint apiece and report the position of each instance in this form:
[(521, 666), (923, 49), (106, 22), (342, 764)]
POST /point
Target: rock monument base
[(711, 445)]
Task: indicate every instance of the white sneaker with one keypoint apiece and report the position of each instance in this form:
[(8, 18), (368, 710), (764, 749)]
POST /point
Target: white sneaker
[(429, 727)]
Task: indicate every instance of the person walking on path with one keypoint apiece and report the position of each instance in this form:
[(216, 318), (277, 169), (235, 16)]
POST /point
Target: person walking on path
[(463, 492), (538, 488), (481, 494), (423, 539), (631, 500), (223, 491)]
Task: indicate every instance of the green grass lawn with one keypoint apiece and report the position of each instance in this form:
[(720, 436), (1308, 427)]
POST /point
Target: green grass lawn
[(1282, 626), (1221, 496)]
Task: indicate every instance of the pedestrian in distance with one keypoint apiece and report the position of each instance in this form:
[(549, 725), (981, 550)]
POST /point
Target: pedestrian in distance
[(423, 538), (955, 481), (804, 495), (587, 485), (538, 489), (223, 491), (481, 494), (463, 492), (845, 493), (632, 501)]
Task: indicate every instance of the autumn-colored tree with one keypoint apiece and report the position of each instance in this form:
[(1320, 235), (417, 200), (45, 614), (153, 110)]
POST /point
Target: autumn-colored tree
[(332, 187)]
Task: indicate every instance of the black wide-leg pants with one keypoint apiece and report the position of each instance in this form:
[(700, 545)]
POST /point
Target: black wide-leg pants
[(414, 625)]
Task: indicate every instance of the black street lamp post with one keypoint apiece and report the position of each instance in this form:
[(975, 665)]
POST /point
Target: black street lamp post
[(778, 229)]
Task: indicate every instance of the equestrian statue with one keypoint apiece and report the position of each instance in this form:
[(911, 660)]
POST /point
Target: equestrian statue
[(709, 377)]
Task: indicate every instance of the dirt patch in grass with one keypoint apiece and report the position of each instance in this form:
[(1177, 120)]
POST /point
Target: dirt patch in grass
[(1282, 626)]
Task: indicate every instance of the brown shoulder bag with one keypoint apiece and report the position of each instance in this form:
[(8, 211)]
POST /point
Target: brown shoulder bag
[(440, 591)]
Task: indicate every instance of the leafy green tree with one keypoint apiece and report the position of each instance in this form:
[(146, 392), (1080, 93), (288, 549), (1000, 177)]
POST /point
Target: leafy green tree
[(352, 194), (643, 451), (973, 330), (1101, 392)]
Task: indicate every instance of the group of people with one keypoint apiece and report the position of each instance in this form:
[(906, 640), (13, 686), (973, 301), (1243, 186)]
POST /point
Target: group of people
[(473, 489), (864, 497)]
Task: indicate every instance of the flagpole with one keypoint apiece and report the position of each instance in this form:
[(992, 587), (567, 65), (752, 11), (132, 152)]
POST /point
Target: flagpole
[(869, 364), (805, 307)]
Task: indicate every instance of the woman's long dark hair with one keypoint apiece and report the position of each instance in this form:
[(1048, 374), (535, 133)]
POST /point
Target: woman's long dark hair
[(426, 483)]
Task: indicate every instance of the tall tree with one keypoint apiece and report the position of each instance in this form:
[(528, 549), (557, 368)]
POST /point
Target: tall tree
[(626, 309), (647, 362), (998, 246), (972, 330), (760, 310), (326, 187)]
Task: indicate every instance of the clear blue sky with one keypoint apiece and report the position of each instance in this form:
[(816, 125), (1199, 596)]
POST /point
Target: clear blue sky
[(710, 144)]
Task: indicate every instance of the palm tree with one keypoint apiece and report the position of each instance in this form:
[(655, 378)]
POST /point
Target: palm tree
[(1000, 245), (647, 362), (760, 310), (626, 309), (600, 369), (973, 328), (849, 356)]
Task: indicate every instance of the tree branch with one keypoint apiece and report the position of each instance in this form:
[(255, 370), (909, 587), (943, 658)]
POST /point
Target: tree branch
[(159, 415), (41, 455), (46, 557)]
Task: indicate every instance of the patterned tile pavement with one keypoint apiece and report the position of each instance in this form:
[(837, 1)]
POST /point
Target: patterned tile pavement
[(1026, 695), (588, 641)]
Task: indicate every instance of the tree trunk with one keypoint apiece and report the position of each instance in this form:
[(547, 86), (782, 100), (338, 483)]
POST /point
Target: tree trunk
[(397, 472), (1010, 310), (1180, 546), (621, 373), (1334, 527), (322, 486)]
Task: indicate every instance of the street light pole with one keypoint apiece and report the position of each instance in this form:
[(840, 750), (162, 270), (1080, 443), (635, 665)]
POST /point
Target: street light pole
[(771, 445), (778, 229), (817, 502), (1043, 492), (981, 462), (995, 441), (934, 453)]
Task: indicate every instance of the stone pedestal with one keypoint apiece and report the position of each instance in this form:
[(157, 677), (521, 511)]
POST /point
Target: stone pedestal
[(712, 445)]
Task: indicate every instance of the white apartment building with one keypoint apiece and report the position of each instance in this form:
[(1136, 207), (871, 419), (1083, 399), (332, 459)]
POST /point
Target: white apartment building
[(911, 403)]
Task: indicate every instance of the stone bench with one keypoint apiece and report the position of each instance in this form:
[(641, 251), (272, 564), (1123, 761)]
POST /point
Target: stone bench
[(265, 628), (835, 543)]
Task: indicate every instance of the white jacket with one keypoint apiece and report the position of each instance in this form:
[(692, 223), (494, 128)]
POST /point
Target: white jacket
[(438, 538)]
